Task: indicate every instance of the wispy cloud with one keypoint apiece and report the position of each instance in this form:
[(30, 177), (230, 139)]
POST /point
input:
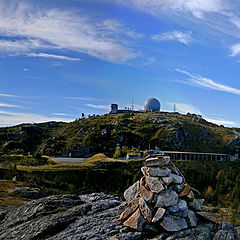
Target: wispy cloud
[(9, 105), (184, 108), (103, 107), (223, 122), (8, 95), (83, 98), (32, 28), (60, 114), (8, 118), (182, 37), (208, 83), (46, 55), (235, 49)]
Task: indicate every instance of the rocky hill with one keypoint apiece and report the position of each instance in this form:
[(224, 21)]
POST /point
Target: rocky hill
[(168, 131)]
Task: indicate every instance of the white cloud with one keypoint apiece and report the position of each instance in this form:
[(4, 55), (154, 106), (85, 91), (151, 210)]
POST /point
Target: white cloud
[(184, 108), (235, 49), (8, 95), (103, 107), (13, 118), (112, 27), (60, 114), (31, 28), (83, 98), (182, 37), (9, 105), (196, 8), (46, 55), (223, 122), (209, 83)]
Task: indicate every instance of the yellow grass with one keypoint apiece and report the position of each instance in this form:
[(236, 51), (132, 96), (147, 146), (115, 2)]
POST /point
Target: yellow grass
[(7, 200)]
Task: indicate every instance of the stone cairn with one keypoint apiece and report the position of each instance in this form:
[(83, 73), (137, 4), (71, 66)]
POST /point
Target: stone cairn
[(162, 201)]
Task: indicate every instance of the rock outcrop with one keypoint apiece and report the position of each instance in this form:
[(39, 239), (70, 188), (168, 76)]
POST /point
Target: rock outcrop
[(94, 216), (160, 206)]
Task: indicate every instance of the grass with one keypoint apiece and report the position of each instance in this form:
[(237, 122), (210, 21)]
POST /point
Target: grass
[(7, 200)]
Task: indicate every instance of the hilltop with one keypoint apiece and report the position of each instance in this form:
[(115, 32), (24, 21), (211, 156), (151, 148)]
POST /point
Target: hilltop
[(168, 131)]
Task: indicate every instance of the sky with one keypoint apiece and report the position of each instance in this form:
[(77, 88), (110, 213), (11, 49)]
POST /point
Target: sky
[(62, 58)]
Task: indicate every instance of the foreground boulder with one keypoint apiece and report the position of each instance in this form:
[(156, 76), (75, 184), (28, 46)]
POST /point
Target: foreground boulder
[(95, 216)]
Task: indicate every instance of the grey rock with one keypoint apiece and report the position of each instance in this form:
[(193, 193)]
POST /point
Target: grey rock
[(145, 194), (201, 232), (157, 161), (159, 214), (63, 217), (145, 210), (192, 219), (177, 187), (166, 198), (176, 179), (157, 172), (224, 235), (154, 184), (196, 204), (207, 216), (172, 223), (136, 221), (181, 205), (27, 192), (132, 192), (167, 180)]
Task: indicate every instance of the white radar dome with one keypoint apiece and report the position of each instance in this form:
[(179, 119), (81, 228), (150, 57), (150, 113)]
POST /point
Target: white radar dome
[(152, 104)]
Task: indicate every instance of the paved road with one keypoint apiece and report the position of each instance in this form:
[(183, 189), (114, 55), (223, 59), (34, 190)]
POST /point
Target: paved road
[(69, 160)]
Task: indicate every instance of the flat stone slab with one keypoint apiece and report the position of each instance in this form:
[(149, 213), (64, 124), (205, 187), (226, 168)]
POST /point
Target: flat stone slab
[(145, 210), (131, 208), (154, 184), (158, 215), (157, 161), (173, 224), (156, 172), (167, 198), (146, 194), (136, 221), (131, 192)]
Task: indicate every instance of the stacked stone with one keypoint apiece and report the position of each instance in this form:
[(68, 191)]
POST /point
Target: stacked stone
[(162, 200)]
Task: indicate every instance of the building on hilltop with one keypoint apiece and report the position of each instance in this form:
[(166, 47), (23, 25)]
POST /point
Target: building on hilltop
[(151, 105)]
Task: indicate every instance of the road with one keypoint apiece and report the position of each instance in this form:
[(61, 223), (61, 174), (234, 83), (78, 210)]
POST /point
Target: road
[(69, 160)]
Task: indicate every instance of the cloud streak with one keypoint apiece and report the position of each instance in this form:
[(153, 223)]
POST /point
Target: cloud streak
[(46, 55), (8, 118), (208, 83), (182, 37), (9, 105), (31, 28), (103, 107)]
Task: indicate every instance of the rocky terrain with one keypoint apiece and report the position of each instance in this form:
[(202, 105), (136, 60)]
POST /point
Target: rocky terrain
[(168, 131), (93, 216), (161, 205)]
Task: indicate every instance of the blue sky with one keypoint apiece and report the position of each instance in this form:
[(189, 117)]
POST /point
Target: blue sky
[(60, 58)]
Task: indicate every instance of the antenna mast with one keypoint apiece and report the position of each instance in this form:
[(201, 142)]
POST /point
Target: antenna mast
[(174, 108), (132, 106)]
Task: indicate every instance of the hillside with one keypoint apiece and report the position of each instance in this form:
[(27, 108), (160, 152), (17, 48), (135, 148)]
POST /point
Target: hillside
[(168, 131)]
